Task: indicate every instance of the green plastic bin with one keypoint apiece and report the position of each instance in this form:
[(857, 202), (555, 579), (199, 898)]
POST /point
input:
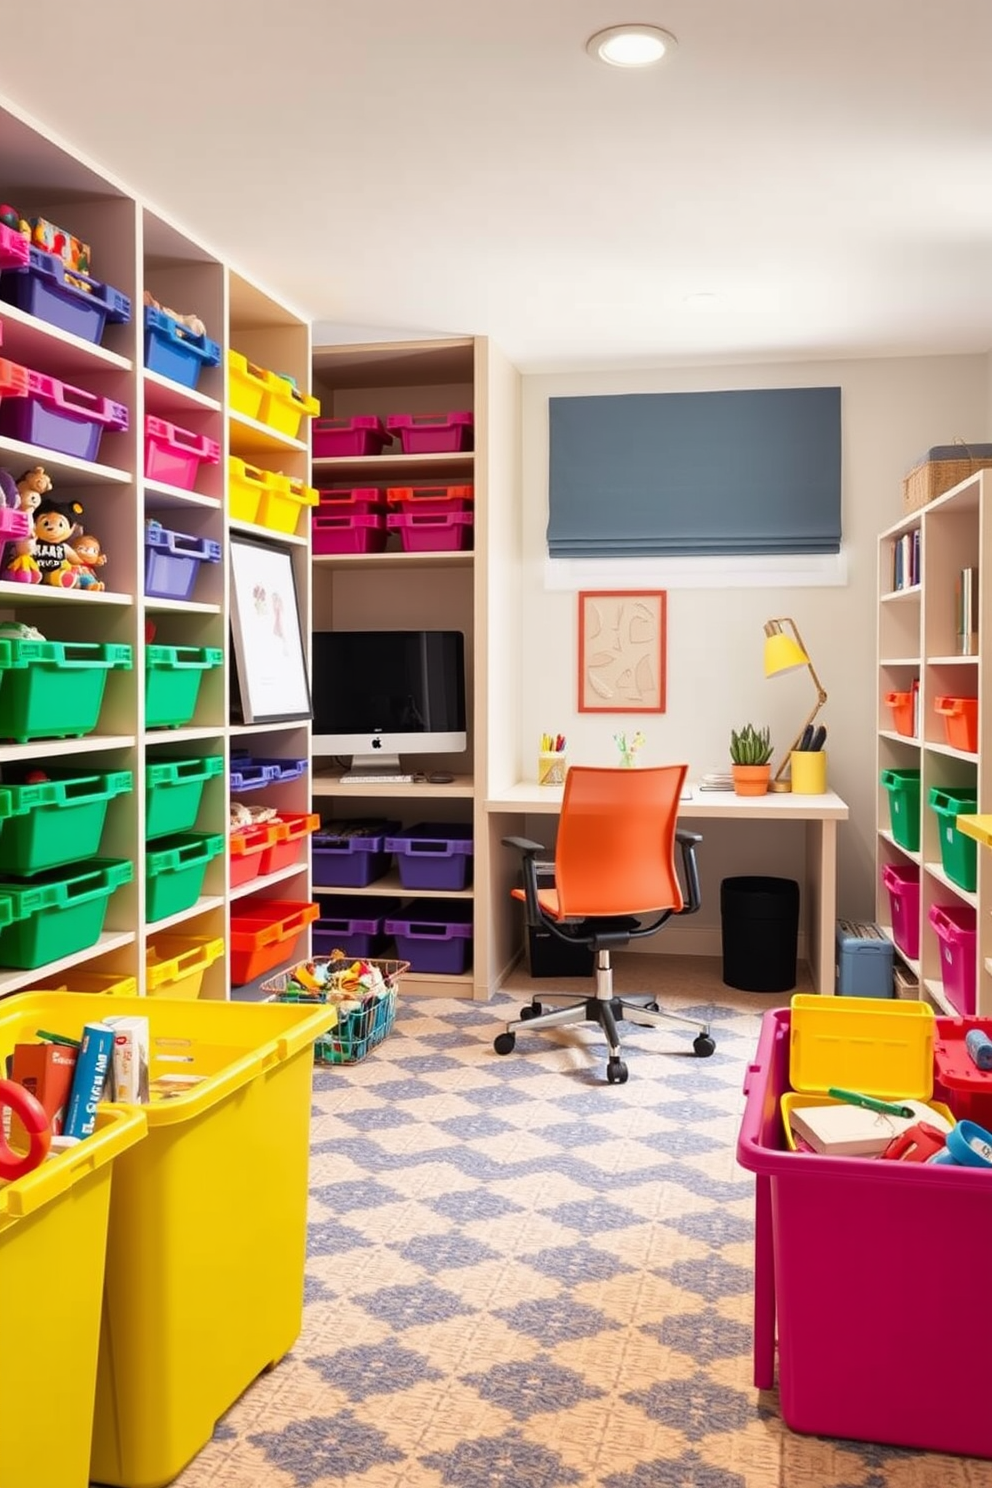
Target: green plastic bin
[(958, 853), (175, 870), (903, 787), (54, 689), (58, 913), (57, 821), (174, 788), (172, 682)]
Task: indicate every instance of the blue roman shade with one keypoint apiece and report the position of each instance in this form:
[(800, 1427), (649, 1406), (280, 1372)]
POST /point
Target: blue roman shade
[(746, 472)]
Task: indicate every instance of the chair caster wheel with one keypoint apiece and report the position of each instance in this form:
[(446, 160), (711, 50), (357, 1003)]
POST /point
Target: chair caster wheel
[(504, 1043), (616, 1072), (651, 1007), (703, 1045), (532, 1010)]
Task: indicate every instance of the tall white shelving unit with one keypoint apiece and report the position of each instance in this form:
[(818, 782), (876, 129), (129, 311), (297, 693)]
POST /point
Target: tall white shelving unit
[(136, 248)]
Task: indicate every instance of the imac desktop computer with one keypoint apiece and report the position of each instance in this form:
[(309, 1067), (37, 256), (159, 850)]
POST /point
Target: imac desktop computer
[(379, 694)]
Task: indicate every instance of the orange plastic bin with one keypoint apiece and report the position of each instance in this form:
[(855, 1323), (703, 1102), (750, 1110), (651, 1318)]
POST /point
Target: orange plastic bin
[(960, 716), (901, 704)]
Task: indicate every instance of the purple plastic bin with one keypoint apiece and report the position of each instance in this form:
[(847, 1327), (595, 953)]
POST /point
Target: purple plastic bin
[(353, 925), (56, 416), (351, 854), (357, 532), (434, 935), (903, 884), (172, 562), (955, 925), (838, 1242), (433, 433), (362, 435), (433, 855), (248, 772), (64, 297)]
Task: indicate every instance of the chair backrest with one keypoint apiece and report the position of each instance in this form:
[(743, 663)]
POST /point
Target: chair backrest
[(615, 853)]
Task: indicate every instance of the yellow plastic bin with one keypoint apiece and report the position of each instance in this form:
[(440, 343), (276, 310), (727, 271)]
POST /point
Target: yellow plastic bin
[(103, 984), (174, 964), (53, 1241), (246, 384), (206, 1241), (282, 500), (245, 484), (283, 405)]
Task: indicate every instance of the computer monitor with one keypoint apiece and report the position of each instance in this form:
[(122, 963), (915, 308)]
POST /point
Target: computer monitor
[(378, 694)]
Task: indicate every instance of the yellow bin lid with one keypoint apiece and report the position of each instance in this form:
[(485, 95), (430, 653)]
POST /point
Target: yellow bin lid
[(876, 1045)]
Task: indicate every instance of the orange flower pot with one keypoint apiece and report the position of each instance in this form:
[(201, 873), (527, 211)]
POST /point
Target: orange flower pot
[(751, 780)]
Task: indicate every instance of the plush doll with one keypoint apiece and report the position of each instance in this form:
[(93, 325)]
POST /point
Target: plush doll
[(53, 525), (90, 557), (32, 487)]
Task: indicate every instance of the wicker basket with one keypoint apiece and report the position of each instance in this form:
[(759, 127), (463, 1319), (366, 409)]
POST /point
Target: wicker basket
[(944, 466)]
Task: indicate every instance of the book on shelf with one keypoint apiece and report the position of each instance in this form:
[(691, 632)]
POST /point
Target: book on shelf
[(906, 560)]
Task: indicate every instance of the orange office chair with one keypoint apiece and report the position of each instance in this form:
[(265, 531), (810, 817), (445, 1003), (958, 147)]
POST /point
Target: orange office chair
[(615, 880)]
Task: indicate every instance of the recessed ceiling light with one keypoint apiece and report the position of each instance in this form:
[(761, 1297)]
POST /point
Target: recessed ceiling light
[(631, 46)]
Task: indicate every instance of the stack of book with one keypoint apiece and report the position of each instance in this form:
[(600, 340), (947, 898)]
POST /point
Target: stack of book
[(717, 780)]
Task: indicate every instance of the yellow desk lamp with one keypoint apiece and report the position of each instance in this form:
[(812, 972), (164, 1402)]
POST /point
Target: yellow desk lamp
[(787, 653)]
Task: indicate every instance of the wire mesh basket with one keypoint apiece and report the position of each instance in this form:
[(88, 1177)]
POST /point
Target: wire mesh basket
[(361, 1023)]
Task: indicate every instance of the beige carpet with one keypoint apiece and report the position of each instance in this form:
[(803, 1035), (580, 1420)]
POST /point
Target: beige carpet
[(521, 1277)]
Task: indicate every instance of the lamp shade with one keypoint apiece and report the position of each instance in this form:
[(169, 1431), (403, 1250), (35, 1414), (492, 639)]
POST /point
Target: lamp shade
[(783, 653)]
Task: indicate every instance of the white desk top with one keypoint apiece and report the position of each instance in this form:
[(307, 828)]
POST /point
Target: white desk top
[(529, 797)]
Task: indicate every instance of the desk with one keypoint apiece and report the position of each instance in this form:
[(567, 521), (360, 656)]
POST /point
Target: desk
[(820, 814)]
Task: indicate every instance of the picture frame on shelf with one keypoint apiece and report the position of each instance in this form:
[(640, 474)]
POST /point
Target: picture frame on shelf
[(622, 651), (267, 633)]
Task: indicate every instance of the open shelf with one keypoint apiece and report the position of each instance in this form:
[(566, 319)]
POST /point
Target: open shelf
[(65, 470), (27, 340), (248, 434), (47, 975), (204, 903)]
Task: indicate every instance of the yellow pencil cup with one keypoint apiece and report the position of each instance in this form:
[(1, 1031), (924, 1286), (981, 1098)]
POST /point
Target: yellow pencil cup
[(551, 768), (809, 772)]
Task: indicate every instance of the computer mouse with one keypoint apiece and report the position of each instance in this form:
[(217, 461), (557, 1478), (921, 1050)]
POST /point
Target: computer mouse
[(439, 779)]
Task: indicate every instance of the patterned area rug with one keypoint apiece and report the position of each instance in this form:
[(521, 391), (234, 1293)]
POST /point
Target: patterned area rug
[(521, 1277)]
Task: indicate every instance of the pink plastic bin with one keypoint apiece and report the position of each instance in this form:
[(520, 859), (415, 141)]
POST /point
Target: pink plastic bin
[(350, 501), (432, 433), (15, 250), (955, 925), (365, 532), (362, 435), (903, 885), (174, 456), (427, 532), (58, 417), (837, 1249)]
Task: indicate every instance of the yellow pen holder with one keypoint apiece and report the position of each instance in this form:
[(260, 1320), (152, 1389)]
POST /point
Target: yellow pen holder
[(551, 768), (809, 772)]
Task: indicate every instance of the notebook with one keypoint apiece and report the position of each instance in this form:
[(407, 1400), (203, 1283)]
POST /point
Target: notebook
[(844, 1130)]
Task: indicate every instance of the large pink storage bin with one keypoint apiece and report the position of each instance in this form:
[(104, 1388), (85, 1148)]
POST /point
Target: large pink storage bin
[(174, 455), (429, 532), (837, 1259), (58, 417), (350, 501), (364, 532), (903, 885), (363, 434), (955, 925), (432, 433)]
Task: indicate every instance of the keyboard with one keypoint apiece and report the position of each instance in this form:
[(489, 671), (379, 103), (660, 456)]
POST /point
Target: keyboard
[(376, 779)]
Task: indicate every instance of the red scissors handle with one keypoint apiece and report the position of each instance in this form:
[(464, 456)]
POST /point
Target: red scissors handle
[(34, 1121)]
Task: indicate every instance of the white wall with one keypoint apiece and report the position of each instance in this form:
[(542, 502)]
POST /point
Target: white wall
[(892, 411)]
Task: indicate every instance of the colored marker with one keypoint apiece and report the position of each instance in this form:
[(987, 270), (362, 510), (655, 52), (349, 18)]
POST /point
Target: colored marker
[(869, 1103)]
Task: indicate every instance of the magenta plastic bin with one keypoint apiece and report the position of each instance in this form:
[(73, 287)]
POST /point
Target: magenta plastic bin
[(353, 925), (350, 854), (956, 928), (838, 1258), (432, 532), (432, 433), (434, 935), (15, 250), (173, 562), (353, 501), (433, 855), (903, 885), (14, 525), (174, 455), (58, 417), (363, 532), (362, 435), (64, 297)]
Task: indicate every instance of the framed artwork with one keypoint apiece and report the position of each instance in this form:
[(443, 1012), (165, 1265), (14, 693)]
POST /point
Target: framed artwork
[(622, 647), (269, 652)]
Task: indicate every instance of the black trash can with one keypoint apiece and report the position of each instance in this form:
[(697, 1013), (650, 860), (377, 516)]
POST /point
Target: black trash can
[(547, 955), (760, 933)]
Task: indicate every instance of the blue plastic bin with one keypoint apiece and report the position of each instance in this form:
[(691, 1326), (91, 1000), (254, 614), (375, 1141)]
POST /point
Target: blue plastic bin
[(64, 297), (351, 854), (864, 961), (172, 561), (433, 855), (353, 924), (174, 351), (434, 935)]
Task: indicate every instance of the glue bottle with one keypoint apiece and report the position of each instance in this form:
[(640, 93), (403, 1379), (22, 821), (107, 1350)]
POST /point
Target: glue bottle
[(979, 1046)]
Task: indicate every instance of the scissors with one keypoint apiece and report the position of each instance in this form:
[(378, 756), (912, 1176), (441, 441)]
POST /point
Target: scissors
[(34, 1121)]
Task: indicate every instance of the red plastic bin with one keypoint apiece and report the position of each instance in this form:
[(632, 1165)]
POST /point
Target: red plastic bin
[(350, 501), (56, 416), (246, 848), (838, 1242), (363, 532), (433, 433), (903, 884), (427, 532), (434, 500), (956, 928), (13, 379), (958, 1081), (362, 435), (902, 705), (286, 847), (960, 716), (174, 455), (265, 933)]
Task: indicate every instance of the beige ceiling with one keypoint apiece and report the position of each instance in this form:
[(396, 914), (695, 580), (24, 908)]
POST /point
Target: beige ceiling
[(457, 166)]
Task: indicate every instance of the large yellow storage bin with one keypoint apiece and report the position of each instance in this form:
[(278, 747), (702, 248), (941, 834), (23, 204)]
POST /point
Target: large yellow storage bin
[(282, 501), (246, 384), (174, 964), (207, 1236), (53, 1239), (284, 407)]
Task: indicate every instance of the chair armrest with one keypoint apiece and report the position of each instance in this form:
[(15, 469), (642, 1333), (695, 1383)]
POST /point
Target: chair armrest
[(528, 850), (690, 870)]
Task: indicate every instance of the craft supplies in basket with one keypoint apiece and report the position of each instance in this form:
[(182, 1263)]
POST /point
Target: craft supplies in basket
[(942, 467), (362, 993)]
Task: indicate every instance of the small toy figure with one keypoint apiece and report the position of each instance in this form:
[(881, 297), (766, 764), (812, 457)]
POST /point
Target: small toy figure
[(53, 525), (192, 322), (32, 487), (20, 565), (87, 550)]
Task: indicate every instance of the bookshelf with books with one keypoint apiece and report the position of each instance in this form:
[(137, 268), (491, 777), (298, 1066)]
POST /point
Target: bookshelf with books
[(933, 757)]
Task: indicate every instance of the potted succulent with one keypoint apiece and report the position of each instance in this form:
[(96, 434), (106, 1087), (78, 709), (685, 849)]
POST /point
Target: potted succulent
[(750, 754)]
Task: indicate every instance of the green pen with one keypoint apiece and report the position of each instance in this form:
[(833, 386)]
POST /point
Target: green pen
[(869, 1103), (57, 1038)]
